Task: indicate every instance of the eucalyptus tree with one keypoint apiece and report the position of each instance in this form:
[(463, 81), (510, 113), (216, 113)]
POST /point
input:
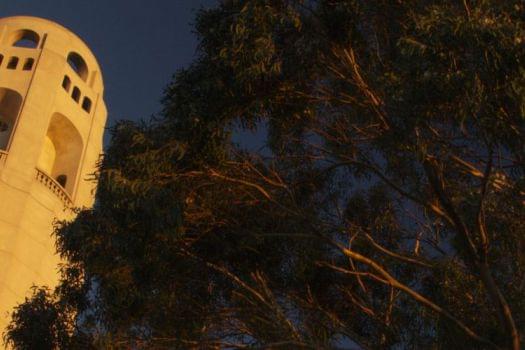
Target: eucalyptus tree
[(387, 209)]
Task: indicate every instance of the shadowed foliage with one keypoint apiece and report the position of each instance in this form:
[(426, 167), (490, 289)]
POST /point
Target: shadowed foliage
[(387, 209)]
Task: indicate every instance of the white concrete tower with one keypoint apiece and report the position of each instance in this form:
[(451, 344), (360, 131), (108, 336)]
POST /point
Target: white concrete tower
[(52, 118)]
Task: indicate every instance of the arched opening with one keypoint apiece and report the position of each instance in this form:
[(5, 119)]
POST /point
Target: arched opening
[(10, 103), (1, 59), (66, 83), (86, 104), (62, 180), (25, 38), (13, 63), (28, 65), (78, 64), (60, 157), (76, 94)]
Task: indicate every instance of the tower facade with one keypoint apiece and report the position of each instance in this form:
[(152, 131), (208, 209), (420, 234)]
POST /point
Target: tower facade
[(52, 117)]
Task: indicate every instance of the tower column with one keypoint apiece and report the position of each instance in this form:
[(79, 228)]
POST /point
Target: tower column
[(52, 119)]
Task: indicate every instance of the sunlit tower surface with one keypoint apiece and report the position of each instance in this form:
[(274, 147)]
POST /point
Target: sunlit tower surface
[(52, 117)]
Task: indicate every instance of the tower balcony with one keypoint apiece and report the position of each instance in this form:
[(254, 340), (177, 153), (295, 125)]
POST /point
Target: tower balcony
[(54, 186)]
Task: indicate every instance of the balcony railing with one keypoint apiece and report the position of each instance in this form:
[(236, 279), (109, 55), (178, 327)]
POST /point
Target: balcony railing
[(3, 156), (54, 186)]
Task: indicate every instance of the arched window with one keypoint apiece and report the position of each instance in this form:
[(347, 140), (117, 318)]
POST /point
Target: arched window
[(62, 180), (66, 83), (13, 63), (76, 94), (28, 65), (25, 38), (62, 151), (86, 104), (78, 64), (10, 103)]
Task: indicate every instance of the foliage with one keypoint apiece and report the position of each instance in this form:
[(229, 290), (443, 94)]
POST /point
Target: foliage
[(39, 323), (387, 211)]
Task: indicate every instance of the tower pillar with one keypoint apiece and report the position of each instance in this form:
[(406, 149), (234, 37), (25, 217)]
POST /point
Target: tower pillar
[(52, 118)]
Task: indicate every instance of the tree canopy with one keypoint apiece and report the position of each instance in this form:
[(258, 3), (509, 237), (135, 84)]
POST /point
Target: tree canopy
[(385, 210)]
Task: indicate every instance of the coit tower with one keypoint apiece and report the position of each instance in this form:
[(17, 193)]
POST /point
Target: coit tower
[(52, 117)]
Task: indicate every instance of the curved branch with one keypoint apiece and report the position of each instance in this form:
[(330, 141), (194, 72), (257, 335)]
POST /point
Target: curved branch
[(391, 280)]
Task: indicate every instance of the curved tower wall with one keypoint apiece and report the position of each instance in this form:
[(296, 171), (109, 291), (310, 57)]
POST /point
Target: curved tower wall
[(52, 118)]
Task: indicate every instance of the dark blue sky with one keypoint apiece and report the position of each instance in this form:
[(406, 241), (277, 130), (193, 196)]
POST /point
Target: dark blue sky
[(138, 43)]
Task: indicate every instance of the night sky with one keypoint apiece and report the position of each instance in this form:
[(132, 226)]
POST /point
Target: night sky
[(139, 43)]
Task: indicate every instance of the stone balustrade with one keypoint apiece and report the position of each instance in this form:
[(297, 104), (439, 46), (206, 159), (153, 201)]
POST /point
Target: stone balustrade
[(54, 186)]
